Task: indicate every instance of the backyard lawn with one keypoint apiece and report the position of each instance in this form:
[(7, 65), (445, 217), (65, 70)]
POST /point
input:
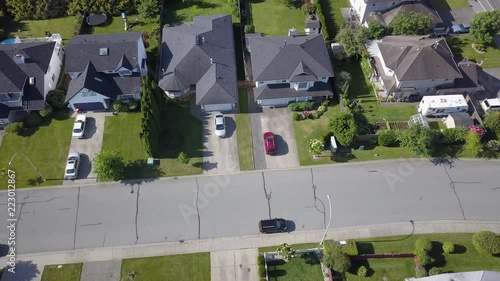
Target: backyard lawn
[(182, 11), (68, 272), (333, 15), (462, 47), (37, 28), (243, 134), (181, 133), (274, 19), (466, 257), (449, 4), (192, 267), (46, 146)]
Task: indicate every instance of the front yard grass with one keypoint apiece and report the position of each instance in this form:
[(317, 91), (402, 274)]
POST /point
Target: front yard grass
[(462, 47), (68, 272), (184, 11), (46, 146), (37, 28), (192, 267), (181, 132), (274, 19), (243, 133), (466, 257), (449, 4)]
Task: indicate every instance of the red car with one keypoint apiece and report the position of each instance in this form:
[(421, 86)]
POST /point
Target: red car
[(269, 143)]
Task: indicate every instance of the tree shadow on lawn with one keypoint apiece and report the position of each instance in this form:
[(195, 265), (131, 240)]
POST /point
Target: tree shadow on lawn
[(359, 263), (310, 258), (139, 169), (457, 45), (437, 255)]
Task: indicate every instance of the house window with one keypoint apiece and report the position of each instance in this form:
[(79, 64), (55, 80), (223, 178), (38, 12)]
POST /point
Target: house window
[(126, 97), (303, 85), (283, 81), (53, 76), (124, 72), (440, 110)]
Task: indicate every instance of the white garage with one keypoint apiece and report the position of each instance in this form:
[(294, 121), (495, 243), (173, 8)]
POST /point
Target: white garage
[(275, 102), (218, 107)]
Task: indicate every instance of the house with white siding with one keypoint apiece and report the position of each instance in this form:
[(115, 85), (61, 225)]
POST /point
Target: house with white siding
[(29, 69), (104, 68), (289, 68)]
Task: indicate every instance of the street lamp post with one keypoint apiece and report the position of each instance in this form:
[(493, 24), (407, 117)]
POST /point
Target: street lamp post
[(32, 165), (329, 222)]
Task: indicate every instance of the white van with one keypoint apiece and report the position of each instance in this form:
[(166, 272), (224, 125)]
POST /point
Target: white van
[(490, 104)]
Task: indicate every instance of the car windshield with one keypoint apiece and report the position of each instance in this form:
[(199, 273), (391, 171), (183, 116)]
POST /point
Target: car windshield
[(219, 127), (77, 130), (70, 171), (271, 150), (461, 26)]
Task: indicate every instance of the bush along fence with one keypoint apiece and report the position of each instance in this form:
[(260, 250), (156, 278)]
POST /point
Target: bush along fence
[(304, 110)]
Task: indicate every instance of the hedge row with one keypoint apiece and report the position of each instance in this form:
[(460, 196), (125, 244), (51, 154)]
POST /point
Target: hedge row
[(321, 17)]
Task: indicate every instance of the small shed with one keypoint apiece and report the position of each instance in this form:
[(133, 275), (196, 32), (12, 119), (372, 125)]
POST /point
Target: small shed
[(459, 119), (312, 27)]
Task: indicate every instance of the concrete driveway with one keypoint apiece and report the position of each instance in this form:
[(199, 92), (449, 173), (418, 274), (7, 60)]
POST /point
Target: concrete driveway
[(278, 121), (89, 147), (456, 15), (101, 270), (220, 155), (234, 265)]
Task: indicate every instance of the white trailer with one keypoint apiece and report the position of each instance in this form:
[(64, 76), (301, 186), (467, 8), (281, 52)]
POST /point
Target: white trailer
[(442, 106)]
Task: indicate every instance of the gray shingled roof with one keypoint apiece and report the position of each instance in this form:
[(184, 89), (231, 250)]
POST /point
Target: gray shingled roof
[(13, 76), (413, 58), (274, 91), (210, 64), (386, 18), (276, 58), (461, 119), (84, 48), (93, 80), (313, 24)]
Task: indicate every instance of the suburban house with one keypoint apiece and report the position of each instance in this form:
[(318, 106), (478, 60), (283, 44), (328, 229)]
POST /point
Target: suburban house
[(385, 17), (406, 68), (289, 68), (461, 276), (103, 69), (29, 69), (199, 57), (364, 8)]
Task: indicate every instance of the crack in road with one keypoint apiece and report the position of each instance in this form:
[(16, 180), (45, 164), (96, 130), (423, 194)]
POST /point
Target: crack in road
[(35, 202), (198, 208), (452, 185), (137, 213), (22, 206), (268, 195), (316, 199), (76, 218), (92, 224)]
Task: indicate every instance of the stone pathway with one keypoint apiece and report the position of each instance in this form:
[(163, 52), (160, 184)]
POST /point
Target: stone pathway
[(234, 265)]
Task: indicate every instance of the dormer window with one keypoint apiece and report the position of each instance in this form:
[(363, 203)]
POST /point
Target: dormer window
[(103, 51), (303, 85)]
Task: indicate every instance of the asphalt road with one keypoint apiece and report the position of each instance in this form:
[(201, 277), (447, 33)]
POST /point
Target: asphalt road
[(216, 206)]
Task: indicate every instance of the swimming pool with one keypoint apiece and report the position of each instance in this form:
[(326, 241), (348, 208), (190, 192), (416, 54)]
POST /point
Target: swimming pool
[(9, 41)]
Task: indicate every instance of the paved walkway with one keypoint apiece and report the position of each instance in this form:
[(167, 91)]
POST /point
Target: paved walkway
[(36, 262), (234, 265)]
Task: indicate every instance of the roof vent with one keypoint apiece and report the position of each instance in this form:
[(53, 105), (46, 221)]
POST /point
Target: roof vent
[(212, 61), (292, 32), (203, 39), (198, 39), (443, 100), (32, 80), (18, 58), (103, 51)]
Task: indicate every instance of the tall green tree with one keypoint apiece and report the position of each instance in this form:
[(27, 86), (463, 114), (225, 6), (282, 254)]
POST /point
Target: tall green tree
[(150, 122), (419, 139), (411, 23), (344, 128), (109, 165), (110, 7), (149, 9), (492, 121), (485, 26), (376, 30), (353, 38), (37, 9)]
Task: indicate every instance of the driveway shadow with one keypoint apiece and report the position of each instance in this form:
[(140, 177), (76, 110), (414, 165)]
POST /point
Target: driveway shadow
[(230, 126), (90, 128), (281, 145), (85, 166)]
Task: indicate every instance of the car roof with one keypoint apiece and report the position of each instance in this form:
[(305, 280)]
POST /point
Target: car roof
[(71, 164)]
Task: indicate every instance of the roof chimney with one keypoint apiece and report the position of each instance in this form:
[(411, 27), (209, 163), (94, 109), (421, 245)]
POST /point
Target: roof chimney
[(18, 58), (292, 32)]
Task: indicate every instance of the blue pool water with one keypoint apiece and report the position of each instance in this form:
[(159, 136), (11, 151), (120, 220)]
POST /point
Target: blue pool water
[(9, 41)]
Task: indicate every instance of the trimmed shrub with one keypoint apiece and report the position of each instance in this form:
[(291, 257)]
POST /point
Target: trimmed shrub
[(261, 260), (435, 271), (46, 112), (297, 116), (308, 8), (423, 257), (306, 114), (14, 128), (493, 145), (362, 271), (133, 105), (387, 137), (322, 108), (325, 103), (314, 115), (183, 158), (448, 247), (118, 106), (301, 106), (453, 135), (55, 98), (486, 242), (335, 259), (420, 272), (350, 248), (34, 119), (262, 271), (321, 18), (249, 28), (423, 244)]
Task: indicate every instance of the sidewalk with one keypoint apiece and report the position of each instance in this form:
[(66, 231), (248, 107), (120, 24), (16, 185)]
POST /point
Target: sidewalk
[(250, 241)]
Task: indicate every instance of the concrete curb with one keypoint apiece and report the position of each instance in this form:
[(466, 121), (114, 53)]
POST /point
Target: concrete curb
[(257, 241)]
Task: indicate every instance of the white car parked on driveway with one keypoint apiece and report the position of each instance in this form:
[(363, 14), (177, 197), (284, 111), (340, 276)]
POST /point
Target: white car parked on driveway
[(72, 165), (220, 125), (79, 126)]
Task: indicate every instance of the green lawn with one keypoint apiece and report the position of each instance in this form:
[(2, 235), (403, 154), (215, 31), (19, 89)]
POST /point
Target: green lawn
[(37, 28), (466, 257), (449, 4), (46, 146), (462, 47), (183, 11), (68, 272), (181, 132), (192, 267), (274, 19), (295, 246), (333, 16), (243, 134)]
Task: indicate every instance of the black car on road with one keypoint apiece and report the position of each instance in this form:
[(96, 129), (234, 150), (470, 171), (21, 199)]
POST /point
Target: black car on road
[(273, 226)]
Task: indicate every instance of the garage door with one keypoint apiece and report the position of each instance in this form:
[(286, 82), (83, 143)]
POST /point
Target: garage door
[(90, 106), (275, 102), (218, 107)]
